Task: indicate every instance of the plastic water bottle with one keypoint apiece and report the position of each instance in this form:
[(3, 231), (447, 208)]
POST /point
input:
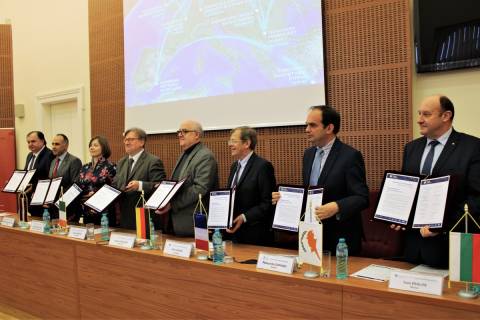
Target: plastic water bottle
[(217, 242), (104, 224), (342, 259), (46, 221)]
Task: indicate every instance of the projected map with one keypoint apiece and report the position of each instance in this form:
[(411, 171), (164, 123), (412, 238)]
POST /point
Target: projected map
[(180, 50)]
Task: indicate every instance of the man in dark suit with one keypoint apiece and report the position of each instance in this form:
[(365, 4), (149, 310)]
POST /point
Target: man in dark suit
[(340, 170), (38, 158), (68, 167), (137, 171), (451, 153), (253, 179), (197, 165)]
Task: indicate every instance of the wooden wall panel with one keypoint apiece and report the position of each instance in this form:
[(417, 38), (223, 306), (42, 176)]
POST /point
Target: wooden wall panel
[(368, 54), (7, 117)]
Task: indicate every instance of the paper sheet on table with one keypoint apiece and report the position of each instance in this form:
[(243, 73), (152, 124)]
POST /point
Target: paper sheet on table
[(374, 272)]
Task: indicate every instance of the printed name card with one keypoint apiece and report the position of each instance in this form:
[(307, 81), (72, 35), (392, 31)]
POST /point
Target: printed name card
[(416, 282), (77, 233), (37, 226), (122, 240), (178, 249), (8, 222), (276, 263)]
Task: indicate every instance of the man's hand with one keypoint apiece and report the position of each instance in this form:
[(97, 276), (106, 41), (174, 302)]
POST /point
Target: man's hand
[(164, 209), (132, 186), (275, 197), (326, 211), (426, 233), (396, 227), (237, 223)]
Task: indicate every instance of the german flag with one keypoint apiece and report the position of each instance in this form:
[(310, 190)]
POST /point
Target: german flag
[(143, 223)]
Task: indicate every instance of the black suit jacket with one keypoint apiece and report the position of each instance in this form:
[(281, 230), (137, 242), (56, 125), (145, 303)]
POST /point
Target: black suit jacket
[(343, 177), (253, 198), (148, 169), (42, 166), (460, 158)]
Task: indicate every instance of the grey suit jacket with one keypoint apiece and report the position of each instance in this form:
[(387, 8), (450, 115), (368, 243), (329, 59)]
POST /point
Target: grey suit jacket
[(201, 173), (69, 170), (150, 170)]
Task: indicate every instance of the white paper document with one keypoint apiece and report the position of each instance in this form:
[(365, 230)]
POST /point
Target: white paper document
[(26, 180), (396, 199), (289, 208), (422, 268), (314, 199), (160, 194), (14, 182), (71, 194), (218, 209), (432, 198), (374, 272), (102, 198), (40, 192), (53, 190), (172, 193)]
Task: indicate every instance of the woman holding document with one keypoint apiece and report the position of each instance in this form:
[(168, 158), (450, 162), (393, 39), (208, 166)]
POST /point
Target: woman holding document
[(94, 175)]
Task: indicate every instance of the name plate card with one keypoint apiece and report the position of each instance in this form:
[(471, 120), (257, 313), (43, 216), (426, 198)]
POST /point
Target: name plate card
[(178, 249), (122, 240), (416, 282), (37, 226), (77, 233), (276, 263), (8, 222)]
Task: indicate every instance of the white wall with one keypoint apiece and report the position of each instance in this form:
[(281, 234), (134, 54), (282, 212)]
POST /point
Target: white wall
[(50, 54)]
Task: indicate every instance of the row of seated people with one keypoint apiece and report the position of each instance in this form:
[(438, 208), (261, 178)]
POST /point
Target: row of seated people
[(329, 163)]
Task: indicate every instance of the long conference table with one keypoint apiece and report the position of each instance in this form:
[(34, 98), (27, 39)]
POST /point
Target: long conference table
[(52, 276)]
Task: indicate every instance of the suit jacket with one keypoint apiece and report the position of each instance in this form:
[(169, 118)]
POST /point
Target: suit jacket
[(343, 177), (253, 198), (201, 173), (150, 170), (460, 158), (42, 165), (69, 169)]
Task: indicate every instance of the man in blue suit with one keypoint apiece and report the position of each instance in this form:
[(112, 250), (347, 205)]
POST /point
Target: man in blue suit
[(340, 170)]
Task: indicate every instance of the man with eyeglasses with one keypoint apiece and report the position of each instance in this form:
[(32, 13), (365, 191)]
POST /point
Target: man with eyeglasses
[(137, 171), (197, 165), (253, 179), (441, 151)]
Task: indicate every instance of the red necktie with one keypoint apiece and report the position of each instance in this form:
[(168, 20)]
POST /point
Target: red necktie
[(57, 162)]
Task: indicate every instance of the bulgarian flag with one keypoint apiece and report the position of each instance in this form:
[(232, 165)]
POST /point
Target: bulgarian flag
[(201, 231), (143, 223), (464, 257)]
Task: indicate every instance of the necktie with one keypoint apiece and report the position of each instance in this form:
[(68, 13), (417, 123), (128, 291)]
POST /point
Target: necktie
[(427, 165), (316, 167), (55, 168), (236, 177), (129, 169), (32, 162)]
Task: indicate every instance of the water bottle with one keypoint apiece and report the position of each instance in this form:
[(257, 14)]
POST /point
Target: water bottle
[(217, 242), (342, 259), (104, 224), (46, 221)]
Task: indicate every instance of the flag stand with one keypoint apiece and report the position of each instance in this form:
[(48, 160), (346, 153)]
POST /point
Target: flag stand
[(466, 293), (311, 273), (23, 210), (200, 254), (149, 243)]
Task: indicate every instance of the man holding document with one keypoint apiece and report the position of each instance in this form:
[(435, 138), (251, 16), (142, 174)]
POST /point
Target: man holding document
[(440, 152), (253, 180), (340, 170), (137, 171)]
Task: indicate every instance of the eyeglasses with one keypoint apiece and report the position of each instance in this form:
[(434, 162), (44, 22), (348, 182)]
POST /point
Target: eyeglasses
[(184, 131), (130, 139)]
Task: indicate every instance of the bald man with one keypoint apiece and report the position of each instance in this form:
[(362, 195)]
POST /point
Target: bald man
[(198, 166), (455, 154)]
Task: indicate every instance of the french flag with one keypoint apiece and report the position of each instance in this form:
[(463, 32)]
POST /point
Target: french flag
[(201, 231)]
